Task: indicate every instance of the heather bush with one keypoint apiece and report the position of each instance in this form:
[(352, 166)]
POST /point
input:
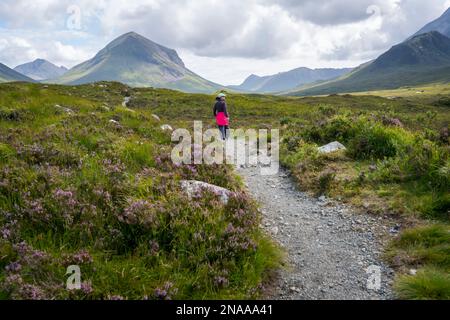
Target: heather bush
[(79, 189)]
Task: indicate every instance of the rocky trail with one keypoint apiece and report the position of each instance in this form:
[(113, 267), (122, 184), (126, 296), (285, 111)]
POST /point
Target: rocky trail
[(332, 250), (329, 246)]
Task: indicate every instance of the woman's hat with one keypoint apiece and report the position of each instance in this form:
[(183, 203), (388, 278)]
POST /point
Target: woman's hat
[(221, 95)]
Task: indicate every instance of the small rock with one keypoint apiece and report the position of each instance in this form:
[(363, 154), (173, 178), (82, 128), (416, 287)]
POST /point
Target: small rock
[(294, 289), (166, 127), (395, 229), (413, 272), (274, 231), (194, 188), (331, 147), (64, 109)]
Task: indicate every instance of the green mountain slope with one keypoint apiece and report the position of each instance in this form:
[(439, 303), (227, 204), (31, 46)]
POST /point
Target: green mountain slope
[(9, 75), (422, 59), (138, 62)]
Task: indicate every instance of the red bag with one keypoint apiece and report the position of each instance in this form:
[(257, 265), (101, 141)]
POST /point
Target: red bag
[(221, 119)]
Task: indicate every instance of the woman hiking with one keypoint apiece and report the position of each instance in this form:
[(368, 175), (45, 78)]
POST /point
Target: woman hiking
[(221, 114)]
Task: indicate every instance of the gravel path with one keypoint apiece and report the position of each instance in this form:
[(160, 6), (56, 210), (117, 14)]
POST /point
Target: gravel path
[(329, 246)]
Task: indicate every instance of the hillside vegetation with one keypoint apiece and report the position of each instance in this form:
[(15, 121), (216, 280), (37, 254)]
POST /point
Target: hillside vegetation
[(76, 186), (85, 181), (396, 163)]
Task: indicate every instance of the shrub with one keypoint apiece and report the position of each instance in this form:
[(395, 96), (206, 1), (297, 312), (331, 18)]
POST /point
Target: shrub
[(6, 152), (374, 141), (326, 178), (427, 284), (324, 131), (10, 114), (306, 156)]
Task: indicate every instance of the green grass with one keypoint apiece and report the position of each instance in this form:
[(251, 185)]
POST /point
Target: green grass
[(387, 169), (426, 247), (76, 188), (428, 284)]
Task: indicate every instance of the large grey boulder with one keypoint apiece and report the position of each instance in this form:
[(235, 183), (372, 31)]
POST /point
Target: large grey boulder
[(331, 147), (194, 187)]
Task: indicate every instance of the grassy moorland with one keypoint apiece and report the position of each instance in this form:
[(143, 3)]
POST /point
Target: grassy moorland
[(85, 181), (396, 163), (78, 188)]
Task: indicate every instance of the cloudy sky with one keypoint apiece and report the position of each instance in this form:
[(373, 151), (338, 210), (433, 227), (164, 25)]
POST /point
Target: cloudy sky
[(223, 41)]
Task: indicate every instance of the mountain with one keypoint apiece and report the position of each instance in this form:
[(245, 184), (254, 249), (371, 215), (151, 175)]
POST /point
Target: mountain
[(288, 80), (41, 69), (423, 59), (9, 75), (139, 62), (442, 25)]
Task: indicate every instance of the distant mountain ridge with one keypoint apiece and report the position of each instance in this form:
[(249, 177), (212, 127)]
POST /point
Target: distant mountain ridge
[(9, 75), (140, 62), (41, 69), (288, 80), (422, 59)]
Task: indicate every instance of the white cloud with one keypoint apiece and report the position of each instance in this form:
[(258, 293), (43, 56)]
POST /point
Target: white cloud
[(221, 40), (23, 47)]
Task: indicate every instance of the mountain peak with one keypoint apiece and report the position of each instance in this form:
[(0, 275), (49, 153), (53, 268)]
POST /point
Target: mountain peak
[(253, 76), (137, 61), (39, 61), (40, 69), (132, 35), (133, 46)]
